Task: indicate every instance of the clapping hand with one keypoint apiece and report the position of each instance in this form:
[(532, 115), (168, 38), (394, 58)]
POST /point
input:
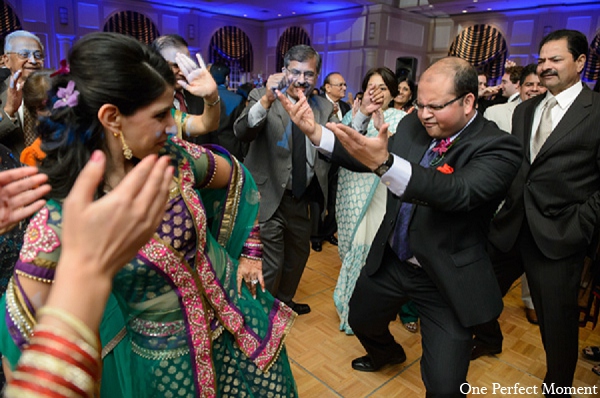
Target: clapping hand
[(302, 115), (14, 94), (21, 192), (370, 151), (120, 222), (372, 100), (199, 80)]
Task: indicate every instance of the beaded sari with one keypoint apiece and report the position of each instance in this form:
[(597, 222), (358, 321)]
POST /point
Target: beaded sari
[(187, 332)]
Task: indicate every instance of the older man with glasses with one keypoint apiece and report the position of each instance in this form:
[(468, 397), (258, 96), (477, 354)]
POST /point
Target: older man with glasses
[(23, 55), (287, 169)]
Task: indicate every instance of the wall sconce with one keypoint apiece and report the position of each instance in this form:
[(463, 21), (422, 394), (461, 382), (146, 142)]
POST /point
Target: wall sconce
[(63, 15), (191, 32)]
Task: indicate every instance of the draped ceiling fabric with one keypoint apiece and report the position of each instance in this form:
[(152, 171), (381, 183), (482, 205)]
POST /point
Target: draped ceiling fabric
[(133, 24), (483, 47), (9, 22), (231, 46), (291, 37), (592, 64)]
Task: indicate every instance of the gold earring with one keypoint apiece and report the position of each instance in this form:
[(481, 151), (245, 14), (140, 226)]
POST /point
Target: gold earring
[(126, 150)]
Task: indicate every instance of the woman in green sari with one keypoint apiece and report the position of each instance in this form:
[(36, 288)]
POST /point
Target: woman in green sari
[(187, 318)]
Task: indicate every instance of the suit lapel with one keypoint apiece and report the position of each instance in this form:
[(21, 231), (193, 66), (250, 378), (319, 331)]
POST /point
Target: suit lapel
[(577, 112)]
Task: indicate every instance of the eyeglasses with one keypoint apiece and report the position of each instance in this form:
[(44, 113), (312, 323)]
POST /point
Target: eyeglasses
[(308, 75), (436, 108), (339, 85), (26, 54)]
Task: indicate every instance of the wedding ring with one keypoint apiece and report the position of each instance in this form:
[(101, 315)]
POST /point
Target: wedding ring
[(254, 281)]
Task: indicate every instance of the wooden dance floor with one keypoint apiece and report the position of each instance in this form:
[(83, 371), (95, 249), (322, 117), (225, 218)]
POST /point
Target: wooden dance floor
[(321, 354)]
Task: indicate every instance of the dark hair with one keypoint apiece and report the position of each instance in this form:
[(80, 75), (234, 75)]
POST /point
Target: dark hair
[(389, 78), (107, 68), (244, 90), (411, 85), (168, 41), (576, 41), (530, 69), (35, 90), (465, 79), (514, 73), (302, 53), (219, 72)]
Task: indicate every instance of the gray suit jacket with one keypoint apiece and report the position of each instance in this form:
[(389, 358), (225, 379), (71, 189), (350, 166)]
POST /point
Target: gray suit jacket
[(11, 134), (559, 193), (269, 158)]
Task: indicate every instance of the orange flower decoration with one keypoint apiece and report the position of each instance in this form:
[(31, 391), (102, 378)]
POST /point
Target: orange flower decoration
[(446, 169)]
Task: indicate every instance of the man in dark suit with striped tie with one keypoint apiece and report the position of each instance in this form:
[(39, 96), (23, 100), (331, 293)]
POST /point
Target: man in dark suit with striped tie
[(447, 169), (551, 216)]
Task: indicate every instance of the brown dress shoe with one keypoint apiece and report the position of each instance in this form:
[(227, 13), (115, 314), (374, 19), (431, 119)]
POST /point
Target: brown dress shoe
[(531, 316)]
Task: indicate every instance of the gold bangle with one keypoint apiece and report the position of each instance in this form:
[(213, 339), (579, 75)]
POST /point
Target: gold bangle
[(74, 323), (214, 103)]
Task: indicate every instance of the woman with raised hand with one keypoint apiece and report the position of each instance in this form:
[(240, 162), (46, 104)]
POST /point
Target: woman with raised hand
[(361, 198), (197, 323)]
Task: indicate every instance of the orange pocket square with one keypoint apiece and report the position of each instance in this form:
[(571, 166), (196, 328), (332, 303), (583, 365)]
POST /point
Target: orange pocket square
[(446, 169)]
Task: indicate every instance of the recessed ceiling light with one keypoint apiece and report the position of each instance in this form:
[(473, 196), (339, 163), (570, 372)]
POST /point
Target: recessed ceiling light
[(489, 9), (245, 15), (464, 11), (293, 12), (475, 1), (431, 6), (278, 15)]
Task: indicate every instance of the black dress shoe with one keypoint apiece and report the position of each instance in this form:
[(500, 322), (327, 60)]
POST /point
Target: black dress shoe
[(299, 308), (332, 239), (365, 364), (480, 349), (317, 246)]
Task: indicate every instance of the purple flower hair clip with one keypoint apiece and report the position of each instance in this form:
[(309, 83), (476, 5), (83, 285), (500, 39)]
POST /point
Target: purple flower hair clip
[(67, 96)]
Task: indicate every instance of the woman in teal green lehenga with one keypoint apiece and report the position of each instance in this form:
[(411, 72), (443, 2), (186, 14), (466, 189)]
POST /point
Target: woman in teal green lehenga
[(176, 324)]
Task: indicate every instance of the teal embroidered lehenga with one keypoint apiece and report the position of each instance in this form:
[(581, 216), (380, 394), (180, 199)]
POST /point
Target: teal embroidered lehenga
[(175, 326)]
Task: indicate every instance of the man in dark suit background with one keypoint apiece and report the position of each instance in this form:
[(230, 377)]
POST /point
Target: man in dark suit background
[(288, 171), (550, 219), (446, 171), (324, 229)]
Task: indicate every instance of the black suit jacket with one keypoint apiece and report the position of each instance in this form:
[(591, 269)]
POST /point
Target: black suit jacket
[(559, 193), (451, 212)]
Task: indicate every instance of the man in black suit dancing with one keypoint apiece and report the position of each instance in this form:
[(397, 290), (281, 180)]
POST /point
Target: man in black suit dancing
[(550, 219), (446, 169)]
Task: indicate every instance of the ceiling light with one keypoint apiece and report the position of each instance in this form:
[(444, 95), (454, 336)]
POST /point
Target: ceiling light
[(278, 15), (489, 9), (464, 11)]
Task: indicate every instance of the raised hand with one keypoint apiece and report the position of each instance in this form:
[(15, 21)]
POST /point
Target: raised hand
[(302, 116), (199, 80), (21, 192), (372, 100), (120, 222), (14, 94), (370, 151)]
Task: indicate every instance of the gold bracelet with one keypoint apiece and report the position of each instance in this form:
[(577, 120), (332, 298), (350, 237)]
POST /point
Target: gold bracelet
[(74, 323), (214, 103)]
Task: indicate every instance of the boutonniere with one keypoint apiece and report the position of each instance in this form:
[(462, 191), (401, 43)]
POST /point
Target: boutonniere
[(440, 149), (446, 169)]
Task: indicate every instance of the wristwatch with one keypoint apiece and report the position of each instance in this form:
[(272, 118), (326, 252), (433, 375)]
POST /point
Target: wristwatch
[(385, 166)]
